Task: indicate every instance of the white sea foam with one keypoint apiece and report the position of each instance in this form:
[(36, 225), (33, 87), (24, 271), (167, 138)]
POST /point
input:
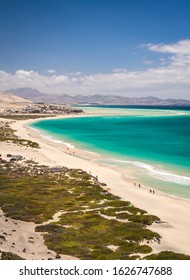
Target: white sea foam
[(163, 175), (91, 153), (50, 138), (30, 127), (68, 145)]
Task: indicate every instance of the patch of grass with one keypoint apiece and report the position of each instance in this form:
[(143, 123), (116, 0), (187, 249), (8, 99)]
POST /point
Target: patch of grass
[(35, 193), (167, 255), (10, 256), (144, 219), (7, 134), (24, 116), (89, 229), (123, 216)]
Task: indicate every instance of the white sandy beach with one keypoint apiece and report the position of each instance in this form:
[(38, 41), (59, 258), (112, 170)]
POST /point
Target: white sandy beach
[(22, 239), (175, 212)]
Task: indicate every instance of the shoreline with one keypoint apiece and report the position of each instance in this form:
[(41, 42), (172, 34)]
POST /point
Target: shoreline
[(162, 176), (174, 211)]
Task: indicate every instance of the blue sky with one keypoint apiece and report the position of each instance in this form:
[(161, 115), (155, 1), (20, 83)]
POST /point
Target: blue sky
[(68, 45)]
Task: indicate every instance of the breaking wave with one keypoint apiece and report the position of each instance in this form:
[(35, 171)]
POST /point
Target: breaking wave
[(163, 175)]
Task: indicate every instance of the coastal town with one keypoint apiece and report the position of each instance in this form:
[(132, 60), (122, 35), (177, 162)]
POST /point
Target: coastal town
[(46, 109)]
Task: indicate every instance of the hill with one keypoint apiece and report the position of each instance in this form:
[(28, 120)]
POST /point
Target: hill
[(10, 101), (6, 97)]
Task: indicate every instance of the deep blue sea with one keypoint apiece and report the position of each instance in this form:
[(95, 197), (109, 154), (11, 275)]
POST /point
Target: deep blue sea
[(156, 148)]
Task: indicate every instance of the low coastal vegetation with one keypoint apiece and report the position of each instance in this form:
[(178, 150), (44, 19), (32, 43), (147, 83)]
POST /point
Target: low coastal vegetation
[(8, 134), (167, 255), (23, 116), (9, 256), (92, 223)]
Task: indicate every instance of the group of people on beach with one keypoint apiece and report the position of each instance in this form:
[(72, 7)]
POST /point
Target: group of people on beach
[(152, 191), (139, 185)]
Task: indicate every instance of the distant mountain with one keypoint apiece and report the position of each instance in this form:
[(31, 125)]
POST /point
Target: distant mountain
[(27, 92), (97, 99)]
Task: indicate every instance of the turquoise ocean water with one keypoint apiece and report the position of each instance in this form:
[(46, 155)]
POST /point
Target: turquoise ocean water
[(156, 148)]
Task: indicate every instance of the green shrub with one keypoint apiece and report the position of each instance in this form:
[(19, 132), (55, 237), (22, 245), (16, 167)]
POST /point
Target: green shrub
[(167, 255), (10, 256), (144, 219)]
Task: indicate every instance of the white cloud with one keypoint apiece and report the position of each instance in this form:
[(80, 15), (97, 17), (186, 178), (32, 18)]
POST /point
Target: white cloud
[(147, 61), (77, 74), (170, 79), (181, 47), (180, 51), (120, 70), (51, 71)]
